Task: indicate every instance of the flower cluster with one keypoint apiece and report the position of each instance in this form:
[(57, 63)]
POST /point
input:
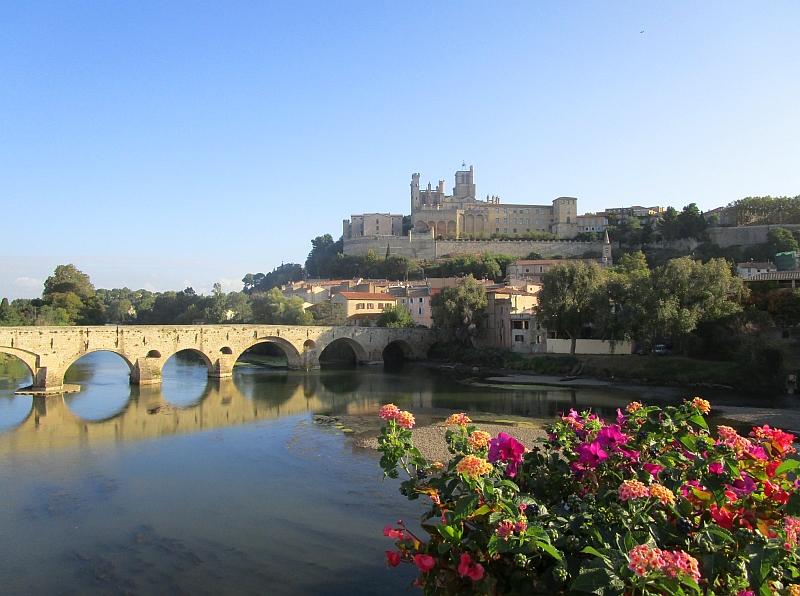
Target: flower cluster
[(473, 466), (645, 560), (389, 412), (457, 419), (689, 512), (478, 440), (633, 489)]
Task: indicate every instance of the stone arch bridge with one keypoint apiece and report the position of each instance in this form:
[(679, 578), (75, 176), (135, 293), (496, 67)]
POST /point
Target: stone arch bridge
[(49, 351)]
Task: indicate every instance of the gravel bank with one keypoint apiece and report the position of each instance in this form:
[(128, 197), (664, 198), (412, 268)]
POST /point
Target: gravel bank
[(430, 439)]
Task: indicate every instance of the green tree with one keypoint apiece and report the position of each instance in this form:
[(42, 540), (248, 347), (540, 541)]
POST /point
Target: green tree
[(568, 298), (632, 262), (66, 279), (395, 316), (462, 309), (324, 254), (781, 240), (9, 317), (329, 313)]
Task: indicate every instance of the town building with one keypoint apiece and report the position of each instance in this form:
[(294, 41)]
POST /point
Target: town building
[(363, 308), (512, 320), (416, 300), (643, 214), (750, 269), (372, 224), (532, 270), (592, 222), (462, 214)]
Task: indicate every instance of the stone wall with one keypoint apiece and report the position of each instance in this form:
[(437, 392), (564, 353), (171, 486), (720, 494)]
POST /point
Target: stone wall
[(426, 248), (745, 235)]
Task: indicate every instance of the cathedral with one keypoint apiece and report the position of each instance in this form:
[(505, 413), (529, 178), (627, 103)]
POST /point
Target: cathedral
[(463, 215)]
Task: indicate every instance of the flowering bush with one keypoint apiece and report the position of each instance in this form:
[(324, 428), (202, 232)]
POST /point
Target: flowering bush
[(647, 503)]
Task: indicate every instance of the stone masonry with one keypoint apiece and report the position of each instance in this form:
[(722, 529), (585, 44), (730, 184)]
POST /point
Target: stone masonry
[(49, 351)]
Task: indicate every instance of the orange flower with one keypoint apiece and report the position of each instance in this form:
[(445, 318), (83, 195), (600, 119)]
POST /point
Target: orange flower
[(701, 404), (472, 466), (662, 493), (406, 419), (458, 419), (633, 406), (478, 440)]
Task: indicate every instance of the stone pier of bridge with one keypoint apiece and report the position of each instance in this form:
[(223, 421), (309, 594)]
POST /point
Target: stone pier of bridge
[(49, 351)]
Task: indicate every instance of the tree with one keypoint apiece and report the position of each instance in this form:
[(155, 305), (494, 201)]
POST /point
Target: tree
[(9, 317), (691, 222), (395, 316), (324, 253), (66, 279), (329, 313), (686, 292), (566, 300), (273, 308), (462, 309), (632, 262), (781, 240)]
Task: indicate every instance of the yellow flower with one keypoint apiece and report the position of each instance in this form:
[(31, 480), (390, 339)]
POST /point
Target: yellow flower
[(472, 467), (701, 404), (633, 406), (455, 419), (662, 493), (478, 440)]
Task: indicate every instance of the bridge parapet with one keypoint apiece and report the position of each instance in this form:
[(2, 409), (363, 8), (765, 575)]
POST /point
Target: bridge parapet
[(49, 351)]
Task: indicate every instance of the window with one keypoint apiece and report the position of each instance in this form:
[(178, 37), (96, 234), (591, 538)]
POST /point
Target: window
[(370, 306), (497, 229), (515, 230), (505, 230), (422, 300), (505, 220), (527, 211), (360, 306), (505, 209), (497, 220), (527, 222), (420, 311), (411, 301), (515, 221), (380, 305), (519, 338)]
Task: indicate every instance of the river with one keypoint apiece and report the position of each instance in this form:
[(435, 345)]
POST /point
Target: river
[(225, 486)]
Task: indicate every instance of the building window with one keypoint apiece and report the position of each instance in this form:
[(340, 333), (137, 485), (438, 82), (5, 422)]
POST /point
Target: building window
[(497, 220), (519, 338), (497, 229), (505, 230), (515, 230), (420, 311), (380, 305), (370, 306), (360, 306), (505, 220), (422, 300)]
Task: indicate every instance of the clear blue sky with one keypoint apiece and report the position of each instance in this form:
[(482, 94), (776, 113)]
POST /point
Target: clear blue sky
[(166, 144)]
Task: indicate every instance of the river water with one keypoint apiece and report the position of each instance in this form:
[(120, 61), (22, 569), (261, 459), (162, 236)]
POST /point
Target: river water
[(225, 486)]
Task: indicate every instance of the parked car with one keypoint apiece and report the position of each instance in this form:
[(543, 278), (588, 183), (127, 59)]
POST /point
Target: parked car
[(661, 349)]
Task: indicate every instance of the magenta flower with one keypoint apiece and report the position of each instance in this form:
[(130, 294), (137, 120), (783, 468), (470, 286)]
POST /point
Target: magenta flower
[(743, 486), (652, 469), (506, 448), (591, 454), (715, 468), (621, 418), (611, 437)]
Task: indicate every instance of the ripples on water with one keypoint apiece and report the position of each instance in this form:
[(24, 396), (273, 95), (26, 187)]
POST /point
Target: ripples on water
[(221, 486)]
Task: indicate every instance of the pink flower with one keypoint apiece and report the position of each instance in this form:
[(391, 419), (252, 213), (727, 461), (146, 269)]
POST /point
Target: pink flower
[(633, 489), (504, 529), (715, 468), (652, 469), (389, 412), (388, 531), (392, 558), (506, 448), (611, 437), (520, 527), (406, 420), (591, 454), (743, 486), (424, 562), (678, 562), (621, 418), (470, 570)]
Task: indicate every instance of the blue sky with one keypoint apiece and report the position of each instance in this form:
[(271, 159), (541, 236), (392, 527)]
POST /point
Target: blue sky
[(168, 144)]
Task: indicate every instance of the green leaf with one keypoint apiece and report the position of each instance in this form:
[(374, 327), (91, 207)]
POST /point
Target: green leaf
[(550, 550), (465, 505), (793, 506), (698, 421), (595, 581), (787, 466), (592, 551), (443, 547)]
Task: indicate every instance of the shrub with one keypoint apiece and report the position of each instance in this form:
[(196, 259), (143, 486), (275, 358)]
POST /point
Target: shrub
[(649, 503)]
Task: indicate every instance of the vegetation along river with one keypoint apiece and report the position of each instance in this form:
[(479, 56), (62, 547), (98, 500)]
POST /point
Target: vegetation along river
[(235, 486)]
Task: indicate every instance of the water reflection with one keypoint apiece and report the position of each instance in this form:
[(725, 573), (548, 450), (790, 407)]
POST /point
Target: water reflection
[(108, 409)]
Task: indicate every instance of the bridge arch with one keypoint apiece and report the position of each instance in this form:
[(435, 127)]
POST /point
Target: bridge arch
[(398, 350), (203, 356), (360, 354), (293, 358), (30, 359), (75, 358)]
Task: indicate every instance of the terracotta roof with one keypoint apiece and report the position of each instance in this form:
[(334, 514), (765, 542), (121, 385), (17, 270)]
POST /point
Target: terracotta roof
[(367, 296), (775, 276)]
